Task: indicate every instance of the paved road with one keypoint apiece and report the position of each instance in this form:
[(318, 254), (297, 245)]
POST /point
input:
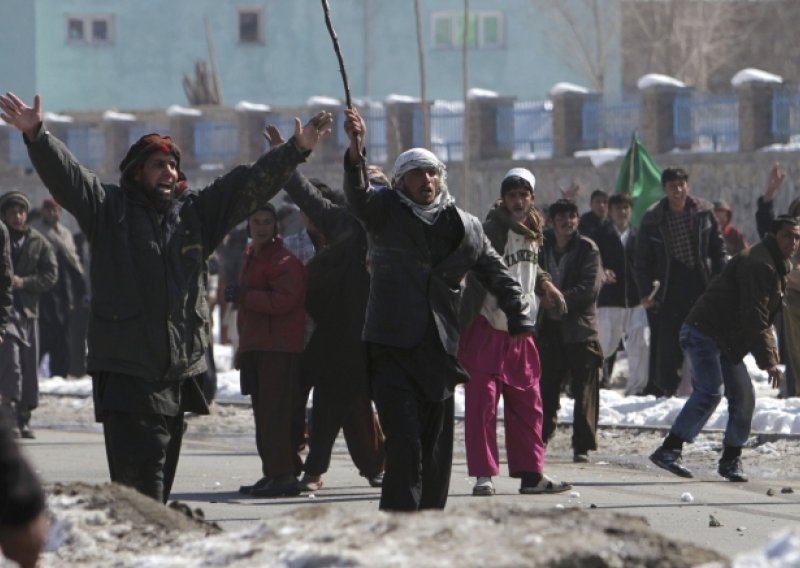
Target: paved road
[(211, 469)]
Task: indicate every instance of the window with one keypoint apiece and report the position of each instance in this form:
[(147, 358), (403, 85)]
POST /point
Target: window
[(484, 30), (91, 29), (250, 26)]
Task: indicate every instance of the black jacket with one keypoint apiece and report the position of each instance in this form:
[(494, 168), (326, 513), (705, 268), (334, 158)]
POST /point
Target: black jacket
[(336, 292), (580, 284), (149, 308), (6, 272), (738, 307), (406, 289), (653, 259), (614, 256)]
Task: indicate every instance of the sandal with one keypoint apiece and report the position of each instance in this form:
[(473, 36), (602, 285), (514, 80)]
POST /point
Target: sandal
[(545, 485)]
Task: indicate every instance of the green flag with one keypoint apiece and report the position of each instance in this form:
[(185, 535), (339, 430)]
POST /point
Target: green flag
[(639, 177)]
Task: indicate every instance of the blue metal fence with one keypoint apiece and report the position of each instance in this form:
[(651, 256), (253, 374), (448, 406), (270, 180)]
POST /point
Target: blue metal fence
[(528, 127), (447, 130), (216, 141), (707, 122), (785, 115), (87, 143), (609, 125)]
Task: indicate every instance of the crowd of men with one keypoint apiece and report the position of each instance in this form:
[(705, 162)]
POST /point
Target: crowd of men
[(364, 305)]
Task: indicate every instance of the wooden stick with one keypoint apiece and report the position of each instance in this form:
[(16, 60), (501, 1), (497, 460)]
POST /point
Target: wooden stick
[(348, 100)]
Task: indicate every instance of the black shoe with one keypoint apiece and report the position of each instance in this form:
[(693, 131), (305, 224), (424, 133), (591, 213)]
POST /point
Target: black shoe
[(671, 461), (248, 489), (731, 469), (580, 457), (284, 486)]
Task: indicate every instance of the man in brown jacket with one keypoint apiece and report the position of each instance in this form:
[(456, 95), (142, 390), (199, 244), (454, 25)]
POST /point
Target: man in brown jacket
[(732, 318)]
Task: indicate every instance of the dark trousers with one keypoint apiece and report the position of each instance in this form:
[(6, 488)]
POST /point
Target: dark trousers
[(272, 396), (419, 442), (666, 357), (580, 363), (143, 450), (54, 340), (362, 432)]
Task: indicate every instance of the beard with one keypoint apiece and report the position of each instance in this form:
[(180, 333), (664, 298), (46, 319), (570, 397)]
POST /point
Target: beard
[(158, 198)]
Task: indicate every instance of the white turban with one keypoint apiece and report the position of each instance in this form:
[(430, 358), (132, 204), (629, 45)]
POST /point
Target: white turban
[(417, 158)]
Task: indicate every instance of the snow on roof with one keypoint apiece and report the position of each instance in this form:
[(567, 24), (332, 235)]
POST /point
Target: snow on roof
[(452, 106), (751, 75), (560, 88), (657, 79), (601, 155), (395, 98), (112, 115), (245, 106), (178, 110), (53, 117), (476, 93), (322, 101)]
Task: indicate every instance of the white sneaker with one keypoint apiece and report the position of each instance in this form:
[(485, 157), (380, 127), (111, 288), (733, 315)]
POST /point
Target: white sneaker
[(483, 487)]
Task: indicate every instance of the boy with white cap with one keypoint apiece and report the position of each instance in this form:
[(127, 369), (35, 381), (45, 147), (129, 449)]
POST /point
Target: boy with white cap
[(499, 364)]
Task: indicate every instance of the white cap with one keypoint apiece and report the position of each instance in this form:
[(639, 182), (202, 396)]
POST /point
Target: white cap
[(524, 174)]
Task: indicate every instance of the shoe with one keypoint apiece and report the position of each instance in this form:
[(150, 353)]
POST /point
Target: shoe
[(310, 483), (26, 432), (580, 457), (284, 486), (671, 461), (544, 485), (731, 469), (376, 480), (483, 487), (248, 489)]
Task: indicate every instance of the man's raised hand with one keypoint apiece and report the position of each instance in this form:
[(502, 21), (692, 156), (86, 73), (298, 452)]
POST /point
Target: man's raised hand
[(19, 115), (273, 136), (306, 137)]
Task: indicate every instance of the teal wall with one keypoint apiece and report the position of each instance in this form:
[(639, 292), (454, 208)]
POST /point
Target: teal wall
[(157, 42), (18, 47)]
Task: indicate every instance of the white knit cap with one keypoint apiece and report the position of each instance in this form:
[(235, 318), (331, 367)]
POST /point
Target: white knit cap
[(523, 174)]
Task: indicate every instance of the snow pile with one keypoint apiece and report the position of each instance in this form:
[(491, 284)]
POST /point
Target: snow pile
[(54, 117), (114, 116), (561, 88), (476, 93), (751, 75), (395, 98), (658, 80), (772, 415), (111, 525), (783, 551), (247, 106), (178, 110), (600, 156), (322, 101)]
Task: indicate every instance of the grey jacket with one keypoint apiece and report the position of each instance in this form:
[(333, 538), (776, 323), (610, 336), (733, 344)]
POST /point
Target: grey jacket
[(149, 312), (38, 268)]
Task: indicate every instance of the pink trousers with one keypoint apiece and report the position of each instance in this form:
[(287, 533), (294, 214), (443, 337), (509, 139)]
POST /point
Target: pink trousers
[(499, 365)]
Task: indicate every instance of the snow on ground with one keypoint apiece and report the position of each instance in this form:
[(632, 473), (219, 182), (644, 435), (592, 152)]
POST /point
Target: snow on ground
[(772, 415)]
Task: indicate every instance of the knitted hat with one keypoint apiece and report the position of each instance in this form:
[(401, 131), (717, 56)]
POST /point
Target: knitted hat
[(14, 198), (517, 174), (144, 147), (50, 203)]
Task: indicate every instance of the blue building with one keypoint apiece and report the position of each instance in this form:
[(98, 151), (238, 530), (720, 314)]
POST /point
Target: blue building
[(132, 54)]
